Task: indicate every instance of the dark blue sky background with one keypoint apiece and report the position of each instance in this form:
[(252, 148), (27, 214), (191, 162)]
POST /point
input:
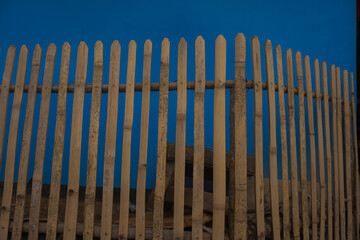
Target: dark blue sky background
[(320, 29)]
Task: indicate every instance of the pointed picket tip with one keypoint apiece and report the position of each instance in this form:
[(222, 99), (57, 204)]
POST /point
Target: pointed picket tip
[(278, 49), (37, 47), (115, 45), (182, 42), (82, 45), (37, 55), (240, 36), (268, 43), (165, 41), (298, 55), (132, 44), (323, 65), (316, 61), (307, 57), (199, 39), (11, 48), (148, 45), (98, 44), (51, 49), (66, 46), (345, 72), (220, 38), (289, 51), (255, 38), (24, 48)]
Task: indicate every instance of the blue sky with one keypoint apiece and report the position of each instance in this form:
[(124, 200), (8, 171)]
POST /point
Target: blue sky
[(321, 29)]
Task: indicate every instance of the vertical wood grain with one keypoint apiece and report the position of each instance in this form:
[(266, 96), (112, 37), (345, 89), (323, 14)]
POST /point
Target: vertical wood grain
[(179, 181), (110, 141), (320, 140), (293, 151), (126, 149), (258, 138), (25, 147), (158, 212), (12, 140), (199, 148), (284, 146), (72, 197), (89, 201), (274, 192), (58, 145), (240, 215), (144, 132), (36, 187)]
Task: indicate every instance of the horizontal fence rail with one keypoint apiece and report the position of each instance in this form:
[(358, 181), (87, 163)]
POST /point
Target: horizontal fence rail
[(241, 204)]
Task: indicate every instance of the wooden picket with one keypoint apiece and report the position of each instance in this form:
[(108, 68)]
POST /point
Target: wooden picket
[(89, 201), (58, 144), (4, 97), (347, 136), (310, 108), (258, 138), (179, 181), (71, 211), (334, 203), (303, 168), (329, 167), (274, 192), (320, 138), (284, 146), (340, 156), (356, 173), (240, 215), (293, 152), (158, 211), (334, 102), (110, 141), (199, 148), (11, 151), (145, 109), (25, 147), (41, 143)]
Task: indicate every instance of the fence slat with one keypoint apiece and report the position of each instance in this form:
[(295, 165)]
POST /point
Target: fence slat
[(340, 156), (179, 177), (199, 147), (71, 210), (240, 215), (12, 140), (274, 192), (347, 136), (126, 150), (4, 96), (219, 167), (357, 192), (89, 202), (144, 132), (320, 138), (329, 168), (284, 146), (60, 125), (110, 141), (302, 129), (258, 138), (41, 143), (293, 152), (158, 211), (335, 150), (310, 110), (25, 147)]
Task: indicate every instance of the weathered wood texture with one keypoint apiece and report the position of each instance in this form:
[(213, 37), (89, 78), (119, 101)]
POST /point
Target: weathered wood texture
[(75, 144), (110, 141), (179, 181), (11, 150), (58, 145), (199, 148), (254, 206)]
